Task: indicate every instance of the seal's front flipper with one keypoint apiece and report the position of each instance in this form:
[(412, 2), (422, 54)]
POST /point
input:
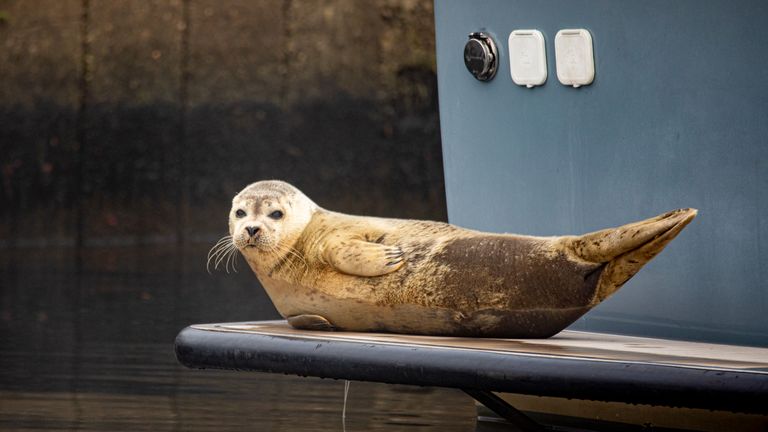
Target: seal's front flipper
[(310, 322), (362, 258)]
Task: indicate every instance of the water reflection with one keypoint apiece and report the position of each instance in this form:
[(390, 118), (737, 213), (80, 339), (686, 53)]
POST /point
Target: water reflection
[(92, 350)]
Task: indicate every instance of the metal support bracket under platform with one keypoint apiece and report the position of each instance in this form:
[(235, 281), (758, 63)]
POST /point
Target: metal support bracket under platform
[(505, 410)]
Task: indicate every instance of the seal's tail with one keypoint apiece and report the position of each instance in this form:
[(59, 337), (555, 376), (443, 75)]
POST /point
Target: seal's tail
[(626, 249)]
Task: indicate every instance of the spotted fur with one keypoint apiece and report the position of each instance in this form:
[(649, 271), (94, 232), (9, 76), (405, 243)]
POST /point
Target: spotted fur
[(328, 270)]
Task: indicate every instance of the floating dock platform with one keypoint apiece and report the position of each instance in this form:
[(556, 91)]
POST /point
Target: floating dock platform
[(573, 365)]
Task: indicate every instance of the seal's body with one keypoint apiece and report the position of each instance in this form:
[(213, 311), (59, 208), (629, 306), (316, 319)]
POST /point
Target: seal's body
[(327, 270)]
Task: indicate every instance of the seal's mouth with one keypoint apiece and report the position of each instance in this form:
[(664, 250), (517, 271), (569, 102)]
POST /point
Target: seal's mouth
[(253, 245)]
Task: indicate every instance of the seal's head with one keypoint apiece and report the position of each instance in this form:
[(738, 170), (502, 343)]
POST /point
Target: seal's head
[(268, 216)]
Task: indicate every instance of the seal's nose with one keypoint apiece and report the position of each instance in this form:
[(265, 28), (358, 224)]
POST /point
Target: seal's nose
[(252, 230)]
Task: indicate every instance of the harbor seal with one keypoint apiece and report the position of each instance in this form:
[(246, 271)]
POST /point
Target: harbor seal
[(325, 270)]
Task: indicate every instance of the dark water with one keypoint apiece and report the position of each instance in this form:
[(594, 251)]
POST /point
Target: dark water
[(90, 347)]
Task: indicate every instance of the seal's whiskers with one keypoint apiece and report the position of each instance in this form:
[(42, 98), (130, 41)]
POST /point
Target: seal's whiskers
[(218, 251), (231, 258), (222, 255)]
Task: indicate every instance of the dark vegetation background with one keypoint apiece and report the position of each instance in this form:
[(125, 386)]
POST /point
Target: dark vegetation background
[(129, 122)]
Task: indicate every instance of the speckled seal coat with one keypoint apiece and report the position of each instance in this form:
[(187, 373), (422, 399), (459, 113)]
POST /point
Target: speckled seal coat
[(331, 271)]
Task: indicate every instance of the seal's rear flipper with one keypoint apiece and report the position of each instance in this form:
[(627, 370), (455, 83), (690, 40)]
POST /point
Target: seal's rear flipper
[(605, 245), (628, 248)]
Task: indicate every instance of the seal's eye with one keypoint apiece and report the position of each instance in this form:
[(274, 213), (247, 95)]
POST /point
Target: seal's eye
[(240, 213), (277, 214)]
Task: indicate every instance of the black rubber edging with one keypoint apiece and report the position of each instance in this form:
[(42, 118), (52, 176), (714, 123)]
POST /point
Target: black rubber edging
[(627, 382)]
